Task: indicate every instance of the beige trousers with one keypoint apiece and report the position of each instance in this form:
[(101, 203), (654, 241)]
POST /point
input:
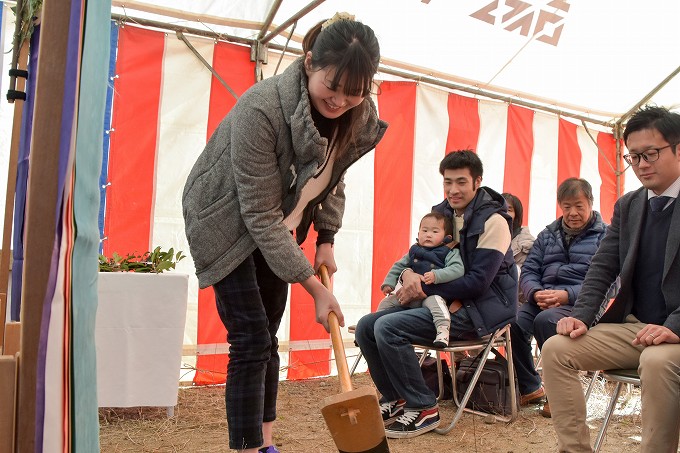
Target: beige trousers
[(608, 346)]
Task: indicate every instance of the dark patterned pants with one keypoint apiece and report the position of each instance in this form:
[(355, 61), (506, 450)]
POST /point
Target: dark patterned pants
[(251, 301)]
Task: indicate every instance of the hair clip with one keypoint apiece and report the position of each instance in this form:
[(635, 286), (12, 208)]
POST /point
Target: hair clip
[(337, 17)]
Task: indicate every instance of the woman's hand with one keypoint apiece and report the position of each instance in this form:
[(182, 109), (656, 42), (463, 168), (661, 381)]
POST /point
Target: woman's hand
[(324, 302), (325, 255)]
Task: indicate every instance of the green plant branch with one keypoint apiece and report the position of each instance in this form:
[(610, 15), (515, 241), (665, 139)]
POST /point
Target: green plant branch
[(155, 262)]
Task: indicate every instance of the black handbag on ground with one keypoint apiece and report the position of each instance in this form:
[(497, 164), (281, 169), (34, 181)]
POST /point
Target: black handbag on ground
[(429, 370), (492, 392)]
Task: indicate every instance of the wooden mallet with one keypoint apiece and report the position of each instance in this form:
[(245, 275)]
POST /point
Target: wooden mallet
[(353, 416)]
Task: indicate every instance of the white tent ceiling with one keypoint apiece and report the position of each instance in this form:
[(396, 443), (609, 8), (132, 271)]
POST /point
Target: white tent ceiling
[(596, 58)]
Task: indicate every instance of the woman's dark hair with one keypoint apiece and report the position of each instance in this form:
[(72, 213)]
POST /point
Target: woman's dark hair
[(516, 204), (352, 49)]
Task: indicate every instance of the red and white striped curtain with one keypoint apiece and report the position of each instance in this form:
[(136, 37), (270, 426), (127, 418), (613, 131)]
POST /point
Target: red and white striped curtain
[(167, 104)]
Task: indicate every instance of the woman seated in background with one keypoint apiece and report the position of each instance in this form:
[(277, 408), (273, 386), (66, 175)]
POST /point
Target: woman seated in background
[(522, 239)]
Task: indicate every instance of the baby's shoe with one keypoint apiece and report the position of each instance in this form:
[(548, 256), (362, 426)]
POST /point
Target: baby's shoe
[(442, 338)]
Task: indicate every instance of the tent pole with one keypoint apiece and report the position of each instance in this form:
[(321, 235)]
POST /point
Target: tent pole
[(192, 31), (617, 172), (649, 95), (184, 15), (219, 78), (618, 133), (269, 19), (258, 51), (292, 19)]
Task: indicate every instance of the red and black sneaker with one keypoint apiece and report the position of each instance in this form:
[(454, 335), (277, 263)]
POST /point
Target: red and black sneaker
[(391, 410), (413, 423)]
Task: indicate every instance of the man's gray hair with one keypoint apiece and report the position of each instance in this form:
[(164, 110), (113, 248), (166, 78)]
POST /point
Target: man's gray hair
[(572, 188)]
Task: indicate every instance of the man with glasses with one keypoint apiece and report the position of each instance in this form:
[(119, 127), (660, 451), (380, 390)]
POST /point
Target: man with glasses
[(641, 329)]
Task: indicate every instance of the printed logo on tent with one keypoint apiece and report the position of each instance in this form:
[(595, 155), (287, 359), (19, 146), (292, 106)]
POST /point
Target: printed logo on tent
[(530, 19)]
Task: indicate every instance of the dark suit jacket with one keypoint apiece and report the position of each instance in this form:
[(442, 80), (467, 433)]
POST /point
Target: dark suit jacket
[(617, 255)]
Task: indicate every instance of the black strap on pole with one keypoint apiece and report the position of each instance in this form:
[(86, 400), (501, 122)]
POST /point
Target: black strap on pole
[(13, 94), (18, 73)]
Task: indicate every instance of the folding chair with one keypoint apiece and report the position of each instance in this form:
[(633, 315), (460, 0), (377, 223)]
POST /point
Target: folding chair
[(499, 339), (351, 329), (591, 384), (620, 377)]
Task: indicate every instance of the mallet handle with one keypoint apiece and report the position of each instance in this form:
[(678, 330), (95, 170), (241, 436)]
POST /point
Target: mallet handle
[(336, 338)]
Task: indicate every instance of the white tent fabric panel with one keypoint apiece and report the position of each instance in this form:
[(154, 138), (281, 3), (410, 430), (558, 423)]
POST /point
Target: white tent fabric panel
[(183, 121), (544, 182), (431, 129), (589, 163), (493, 123)]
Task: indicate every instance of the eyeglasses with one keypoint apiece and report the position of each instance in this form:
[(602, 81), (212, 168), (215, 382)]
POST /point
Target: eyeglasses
[(651, 155)]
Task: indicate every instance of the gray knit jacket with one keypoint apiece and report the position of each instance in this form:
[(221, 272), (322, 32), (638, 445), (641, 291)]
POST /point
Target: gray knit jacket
[(250, 175)]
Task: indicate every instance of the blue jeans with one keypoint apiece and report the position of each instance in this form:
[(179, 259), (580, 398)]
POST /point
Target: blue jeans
[(541, 324), (386, 340)]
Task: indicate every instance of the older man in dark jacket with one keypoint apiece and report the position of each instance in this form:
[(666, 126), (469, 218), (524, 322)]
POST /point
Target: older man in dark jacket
[(551, 279)]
